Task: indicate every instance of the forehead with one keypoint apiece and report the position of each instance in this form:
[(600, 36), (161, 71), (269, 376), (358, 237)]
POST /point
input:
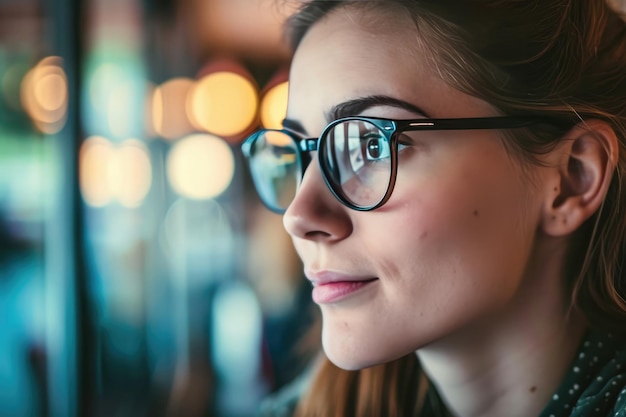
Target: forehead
[(372, 19), (360, 51), (357, 38)]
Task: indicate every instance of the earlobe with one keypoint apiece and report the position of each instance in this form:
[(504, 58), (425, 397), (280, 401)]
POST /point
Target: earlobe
[(585, 165)]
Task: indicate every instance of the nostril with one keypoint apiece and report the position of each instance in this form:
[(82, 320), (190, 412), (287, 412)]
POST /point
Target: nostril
[(317, 234)]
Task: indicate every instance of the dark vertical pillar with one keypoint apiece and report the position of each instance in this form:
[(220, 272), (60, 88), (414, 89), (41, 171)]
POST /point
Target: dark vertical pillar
[(70, 336)]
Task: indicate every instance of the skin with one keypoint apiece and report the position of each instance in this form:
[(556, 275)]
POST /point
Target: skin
[(468, 253)]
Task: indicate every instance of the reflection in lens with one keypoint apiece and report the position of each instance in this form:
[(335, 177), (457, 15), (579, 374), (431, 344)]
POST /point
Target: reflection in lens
[(357, 163), (275, 168)]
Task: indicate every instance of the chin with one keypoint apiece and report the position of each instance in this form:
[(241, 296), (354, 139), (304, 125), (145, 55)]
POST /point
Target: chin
[(353, 351), (356, 363), (348, 363), (354, 358)]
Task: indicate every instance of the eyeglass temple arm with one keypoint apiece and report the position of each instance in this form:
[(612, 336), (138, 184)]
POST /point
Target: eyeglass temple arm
[(505, 122)]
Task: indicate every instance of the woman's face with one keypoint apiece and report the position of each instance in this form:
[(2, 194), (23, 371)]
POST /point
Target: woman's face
[(448, 250)]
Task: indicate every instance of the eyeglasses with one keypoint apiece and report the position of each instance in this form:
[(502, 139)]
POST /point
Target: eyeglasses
[(358, 157)]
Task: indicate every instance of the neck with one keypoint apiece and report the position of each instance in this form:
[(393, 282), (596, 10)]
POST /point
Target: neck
[(512, 362)]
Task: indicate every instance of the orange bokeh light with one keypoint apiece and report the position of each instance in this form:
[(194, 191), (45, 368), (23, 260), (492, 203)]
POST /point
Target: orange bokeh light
[(224, 102), (44, 95)]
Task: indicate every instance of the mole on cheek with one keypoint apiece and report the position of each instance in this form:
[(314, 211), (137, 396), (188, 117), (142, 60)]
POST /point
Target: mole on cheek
[(476, 213)]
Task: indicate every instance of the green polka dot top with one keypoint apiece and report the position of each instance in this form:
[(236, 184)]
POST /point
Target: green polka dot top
[(595, 384)]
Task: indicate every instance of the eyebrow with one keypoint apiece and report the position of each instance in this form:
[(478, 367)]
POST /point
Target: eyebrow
[(294, 126), (355, 107)]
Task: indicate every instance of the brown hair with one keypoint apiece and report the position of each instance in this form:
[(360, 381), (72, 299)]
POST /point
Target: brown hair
[(561, 59)]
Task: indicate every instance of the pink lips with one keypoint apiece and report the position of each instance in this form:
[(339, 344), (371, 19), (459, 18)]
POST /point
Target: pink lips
[(330, 287)]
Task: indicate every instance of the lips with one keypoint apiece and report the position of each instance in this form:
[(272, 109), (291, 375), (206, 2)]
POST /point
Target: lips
[(332, 287)]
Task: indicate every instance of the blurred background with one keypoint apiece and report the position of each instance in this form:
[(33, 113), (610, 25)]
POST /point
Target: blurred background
[(139, 275)]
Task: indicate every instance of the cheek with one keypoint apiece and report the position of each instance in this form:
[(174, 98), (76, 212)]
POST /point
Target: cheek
[(482, 199), (460, 243)]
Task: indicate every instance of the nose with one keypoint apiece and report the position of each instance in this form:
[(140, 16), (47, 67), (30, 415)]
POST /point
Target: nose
[(315, 214)]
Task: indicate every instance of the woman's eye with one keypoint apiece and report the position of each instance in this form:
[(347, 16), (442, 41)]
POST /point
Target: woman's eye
[(375, 148)]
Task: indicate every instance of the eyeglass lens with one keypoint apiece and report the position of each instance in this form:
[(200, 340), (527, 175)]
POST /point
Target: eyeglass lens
[(355, 157), (275, 168)]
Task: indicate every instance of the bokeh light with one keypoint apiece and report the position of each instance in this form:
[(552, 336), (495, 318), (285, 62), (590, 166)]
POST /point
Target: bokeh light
[(200, 166), (95, 154), (104, 77), (224, 103), (44, 95), (109, 172), (169, 115), (112, 104), (120, 120), (129, 173), (274, 106)]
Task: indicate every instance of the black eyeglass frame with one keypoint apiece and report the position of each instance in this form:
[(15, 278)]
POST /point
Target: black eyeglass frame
[(391, 129)]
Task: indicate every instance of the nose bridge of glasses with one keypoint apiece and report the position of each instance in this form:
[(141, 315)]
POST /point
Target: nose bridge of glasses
[(308, 144)]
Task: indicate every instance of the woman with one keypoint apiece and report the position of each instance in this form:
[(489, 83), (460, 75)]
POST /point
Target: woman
[(451, 174)]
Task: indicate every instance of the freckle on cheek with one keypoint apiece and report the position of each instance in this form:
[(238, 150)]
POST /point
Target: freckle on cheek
[(424, 234), (476, 213)]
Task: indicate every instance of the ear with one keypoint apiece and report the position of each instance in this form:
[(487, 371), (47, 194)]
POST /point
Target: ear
[(585, 163)]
